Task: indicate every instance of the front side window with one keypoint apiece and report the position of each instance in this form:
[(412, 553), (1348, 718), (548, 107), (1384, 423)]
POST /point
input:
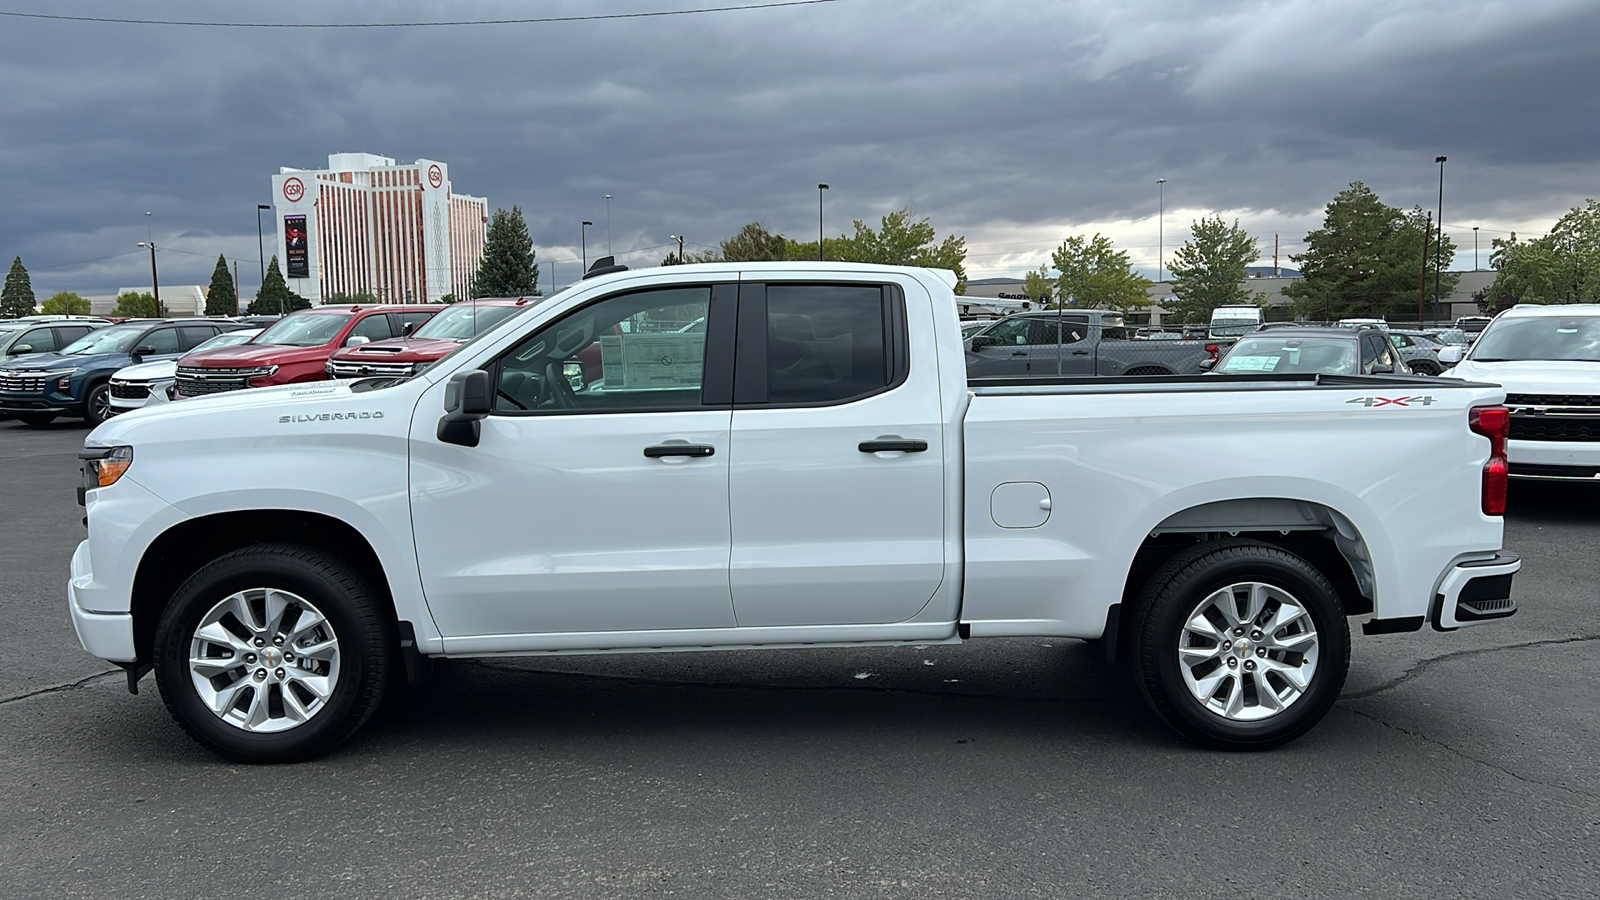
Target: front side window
[(1369, 354), (373, 328), (162, 340), (826, 343), (628, 353), (42, 340)]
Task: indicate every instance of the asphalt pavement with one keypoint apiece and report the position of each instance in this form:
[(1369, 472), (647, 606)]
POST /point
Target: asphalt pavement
[(1455, 765)]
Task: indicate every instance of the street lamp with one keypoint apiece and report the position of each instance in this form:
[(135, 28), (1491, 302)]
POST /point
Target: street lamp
[(1161, 220), (1475, 249), (820, 189), (1438, 245), (155, 286), (261, 253), (679, 239), (608, 224), (583, 238)]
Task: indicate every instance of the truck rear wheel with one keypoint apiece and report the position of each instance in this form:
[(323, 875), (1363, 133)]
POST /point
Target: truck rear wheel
[(273, 653), (1240, 645)]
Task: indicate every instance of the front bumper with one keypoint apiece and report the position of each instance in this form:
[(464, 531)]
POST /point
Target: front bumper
[(1474, 592), (35, 403), (106, 635), (1554, 460)]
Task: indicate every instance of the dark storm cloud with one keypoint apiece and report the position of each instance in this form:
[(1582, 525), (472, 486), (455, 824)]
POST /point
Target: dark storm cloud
[(993, 118)]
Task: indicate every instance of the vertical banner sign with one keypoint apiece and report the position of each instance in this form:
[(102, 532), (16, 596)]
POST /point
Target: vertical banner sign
[(298, 264)]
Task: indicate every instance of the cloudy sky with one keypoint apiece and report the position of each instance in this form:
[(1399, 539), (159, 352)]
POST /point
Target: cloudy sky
[(1012, 122)]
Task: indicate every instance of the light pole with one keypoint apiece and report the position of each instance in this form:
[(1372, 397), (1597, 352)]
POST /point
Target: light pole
[(1161, 221), (1475, 249), (583, 238), (155, 286), (1438, 244), (261, 253), (820, 189), (679, 239), (608, 224)]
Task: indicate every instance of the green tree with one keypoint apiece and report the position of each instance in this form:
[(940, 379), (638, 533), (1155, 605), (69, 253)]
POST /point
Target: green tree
[(1094, 275), (899, 240), (141, 305), (65, 303), (275, 296), (1208, 270), (17, 298), (448, 299), (752, 243), (339, 298), (223, 298), (1561, 267), (1367, 259), (1040, 286), (507, 269)]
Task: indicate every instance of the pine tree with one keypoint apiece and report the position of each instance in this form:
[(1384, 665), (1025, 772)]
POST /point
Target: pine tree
[(223, 298), (17, 298), (508, 269), (275, 296)]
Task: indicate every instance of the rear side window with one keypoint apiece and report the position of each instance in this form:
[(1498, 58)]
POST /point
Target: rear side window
[(195, 335), (828, 343), (69, 333)]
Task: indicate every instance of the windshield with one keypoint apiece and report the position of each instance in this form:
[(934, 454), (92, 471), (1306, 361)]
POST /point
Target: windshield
[(116, 339), (228, 339), (305, 329), (464, 320), (1235, 327), (1540, 337), (1333, 356)]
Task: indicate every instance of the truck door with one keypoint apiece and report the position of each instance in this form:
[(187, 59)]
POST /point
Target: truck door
[(597, 497), (836, 481), (1074, 348)]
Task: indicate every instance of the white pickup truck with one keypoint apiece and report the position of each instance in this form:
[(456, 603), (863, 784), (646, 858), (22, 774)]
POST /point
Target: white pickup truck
[(777, 455)]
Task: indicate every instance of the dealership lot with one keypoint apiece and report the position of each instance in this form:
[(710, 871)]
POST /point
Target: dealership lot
[(1458, 765)]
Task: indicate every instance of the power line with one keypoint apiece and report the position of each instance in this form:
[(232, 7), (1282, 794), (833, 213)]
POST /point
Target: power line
[(461, 22), (84, 262)]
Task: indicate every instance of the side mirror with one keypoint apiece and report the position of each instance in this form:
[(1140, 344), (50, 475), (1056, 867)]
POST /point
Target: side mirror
[(19, 349), (144, 350), (467, 400), (407, 328), (356, 340), (1449, 356), (1382, 369), (982, 341), (1207, 365)]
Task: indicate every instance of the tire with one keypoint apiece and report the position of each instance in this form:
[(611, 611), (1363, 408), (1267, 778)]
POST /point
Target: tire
[(1425, 367), (1249, 704), (275, 707), (37, 419), (97, 404)]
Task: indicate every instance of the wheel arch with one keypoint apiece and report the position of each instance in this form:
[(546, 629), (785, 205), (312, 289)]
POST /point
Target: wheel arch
[(182, 549), (1317, 532)]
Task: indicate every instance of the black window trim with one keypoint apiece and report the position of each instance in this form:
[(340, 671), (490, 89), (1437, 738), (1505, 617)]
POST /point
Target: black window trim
[(750, 355), (716, 379)]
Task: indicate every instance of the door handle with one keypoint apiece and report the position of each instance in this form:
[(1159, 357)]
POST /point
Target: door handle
[(889, 446), (697, 451), (1019, 353), (1080, 353)]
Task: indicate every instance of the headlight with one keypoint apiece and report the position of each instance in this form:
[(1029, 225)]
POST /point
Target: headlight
[(259, 371), (419, 368), (103, 466), (55, 372)]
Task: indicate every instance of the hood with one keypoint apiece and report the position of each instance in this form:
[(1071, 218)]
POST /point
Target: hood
[(244, 355), (150, 371), (34, 362), (397, 350), (1534, 376)]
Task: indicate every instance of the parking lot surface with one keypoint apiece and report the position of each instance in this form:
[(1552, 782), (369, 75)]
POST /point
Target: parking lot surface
[(1459, 765)]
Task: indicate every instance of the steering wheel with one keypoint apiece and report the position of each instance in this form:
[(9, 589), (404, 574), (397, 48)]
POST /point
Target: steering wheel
[(559, 388)]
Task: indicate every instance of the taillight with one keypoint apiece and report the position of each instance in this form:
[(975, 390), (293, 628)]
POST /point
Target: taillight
[(1215, 350), (1494, 423)]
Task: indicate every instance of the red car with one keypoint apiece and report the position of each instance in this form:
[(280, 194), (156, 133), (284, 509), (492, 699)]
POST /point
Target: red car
[(295, 348), (406, 356)]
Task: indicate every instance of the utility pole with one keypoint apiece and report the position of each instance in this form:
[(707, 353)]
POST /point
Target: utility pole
[(1475, 249), (1422, 290), (1438, 245), (1275, 256), (1161, 220), (235, 288), (155, 286), (820, 189)]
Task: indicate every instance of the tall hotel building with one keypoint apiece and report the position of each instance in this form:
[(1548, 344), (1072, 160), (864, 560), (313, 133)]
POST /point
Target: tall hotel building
[(367, 225)]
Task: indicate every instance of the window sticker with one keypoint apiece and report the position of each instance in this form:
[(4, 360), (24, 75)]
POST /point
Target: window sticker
[(1253, 363)]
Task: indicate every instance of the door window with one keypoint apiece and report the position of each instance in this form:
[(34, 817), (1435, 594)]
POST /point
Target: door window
[(69, 333), (1043, 331), (42, 340), (414, 319), (826, 343), (1369, 354), (630, 352), (160, 341), (373, 328), (1011, 331), (195, 335)]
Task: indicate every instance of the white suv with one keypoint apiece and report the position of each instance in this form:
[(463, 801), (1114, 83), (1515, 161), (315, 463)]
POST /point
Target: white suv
[(1548, 360)]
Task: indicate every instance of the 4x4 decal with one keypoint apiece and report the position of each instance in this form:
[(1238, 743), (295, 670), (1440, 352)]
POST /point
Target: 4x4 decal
[(1369, 402)]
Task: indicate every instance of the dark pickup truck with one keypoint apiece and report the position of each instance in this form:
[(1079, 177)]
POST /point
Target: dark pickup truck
[(1078, 342)]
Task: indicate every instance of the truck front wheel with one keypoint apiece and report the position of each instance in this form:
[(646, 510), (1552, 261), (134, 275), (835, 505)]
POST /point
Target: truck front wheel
[(1240, 645), (273, 653)]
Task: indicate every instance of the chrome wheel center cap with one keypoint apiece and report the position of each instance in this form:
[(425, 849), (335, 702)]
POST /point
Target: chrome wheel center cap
[(1242, 649), (272, 657)]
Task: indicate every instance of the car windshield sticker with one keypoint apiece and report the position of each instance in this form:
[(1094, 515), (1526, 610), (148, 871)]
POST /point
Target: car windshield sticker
[(1253, 363)]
